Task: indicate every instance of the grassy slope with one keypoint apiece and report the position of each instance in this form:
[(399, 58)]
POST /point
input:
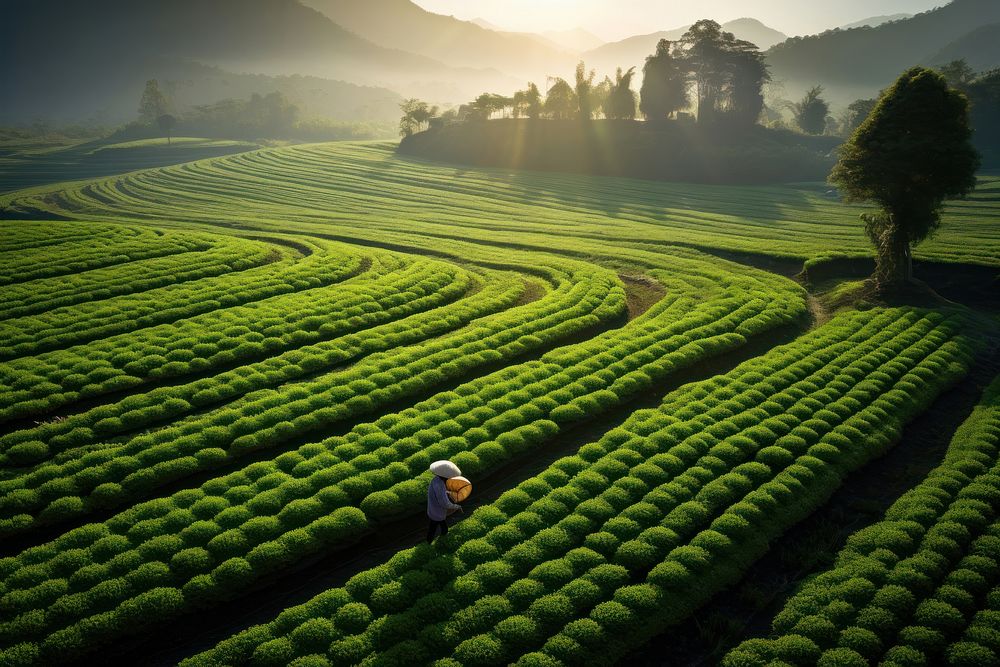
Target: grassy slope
[(336, 185)]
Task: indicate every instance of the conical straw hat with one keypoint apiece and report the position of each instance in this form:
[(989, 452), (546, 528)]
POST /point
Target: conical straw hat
[(445, 469)]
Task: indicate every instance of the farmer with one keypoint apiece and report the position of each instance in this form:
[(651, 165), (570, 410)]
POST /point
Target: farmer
[(439, 505)]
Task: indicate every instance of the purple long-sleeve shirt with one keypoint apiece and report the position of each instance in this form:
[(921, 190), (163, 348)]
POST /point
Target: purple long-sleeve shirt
[(438, 502)]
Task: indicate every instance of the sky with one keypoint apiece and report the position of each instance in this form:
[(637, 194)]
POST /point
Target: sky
[(617, 19)]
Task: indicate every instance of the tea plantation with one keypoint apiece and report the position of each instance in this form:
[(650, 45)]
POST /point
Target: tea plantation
[(214, 374)]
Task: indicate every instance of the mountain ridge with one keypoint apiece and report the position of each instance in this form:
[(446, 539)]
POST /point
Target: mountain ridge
[(105, 48), (444, 38), (857, 63)]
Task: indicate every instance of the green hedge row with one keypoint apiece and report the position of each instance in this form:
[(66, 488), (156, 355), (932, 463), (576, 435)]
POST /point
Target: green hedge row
[(63, 489), (225, 255), (85, 255), (285, 271), (251, 522), (919, 587), (226, 336), (607, 547), (171, 403), (32, 234)]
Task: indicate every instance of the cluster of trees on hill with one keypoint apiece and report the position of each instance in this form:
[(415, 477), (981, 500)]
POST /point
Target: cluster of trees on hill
[(267, 116), (707, 70), (270, 115), (724, 75)]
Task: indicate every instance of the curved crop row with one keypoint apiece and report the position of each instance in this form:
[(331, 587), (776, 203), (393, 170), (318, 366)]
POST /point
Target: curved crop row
[(325, 264), (74, 257), (225, 254), (609, 546), (143, 411), (222, 338), (348, 181), (919, 587), (272, 514), (32, 234), (584, 296)]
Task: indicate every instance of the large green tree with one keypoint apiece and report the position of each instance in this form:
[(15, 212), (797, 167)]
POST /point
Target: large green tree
[(533, 102), (527, 103), (726, 74), (912, 153), (585, 91), (664, 88), (706, 59), (620, 104), (415, 114), (745, 87), (811, 111), (561, 102), (153, 103)]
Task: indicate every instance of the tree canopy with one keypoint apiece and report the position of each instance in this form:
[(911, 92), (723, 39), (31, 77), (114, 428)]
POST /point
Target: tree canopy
[(620, 104), (153, 103), (811, 112), (528, 102), (664, 88), (912, 153), (416, 113), (561, 102), (726, 74), (584, 91)]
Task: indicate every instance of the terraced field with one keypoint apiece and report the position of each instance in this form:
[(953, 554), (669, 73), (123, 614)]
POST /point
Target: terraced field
[(216, 374), (25, 164)]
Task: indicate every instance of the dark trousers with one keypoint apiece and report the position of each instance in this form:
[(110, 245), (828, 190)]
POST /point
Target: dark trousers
[(433, 528)]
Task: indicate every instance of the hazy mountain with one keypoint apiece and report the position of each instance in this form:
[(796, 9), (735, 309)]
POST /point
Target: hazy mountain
[(577, 40), (483, 23), (873, 21), (401, 24), (754, 31), (102, 49), (859, 62), (980, 48), (633, 50)]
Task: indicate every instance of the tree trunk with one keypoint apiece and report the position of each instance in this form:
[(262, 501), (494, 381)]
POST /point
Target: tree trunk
[(894, 265)]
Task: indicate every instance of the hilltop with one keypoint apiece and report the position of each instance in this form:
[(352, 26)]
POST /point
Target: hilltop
[(873, 21)]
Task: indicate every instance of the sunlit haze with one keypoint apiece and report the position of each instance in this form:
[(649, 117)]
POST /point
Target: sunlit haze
[(621, 18)]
